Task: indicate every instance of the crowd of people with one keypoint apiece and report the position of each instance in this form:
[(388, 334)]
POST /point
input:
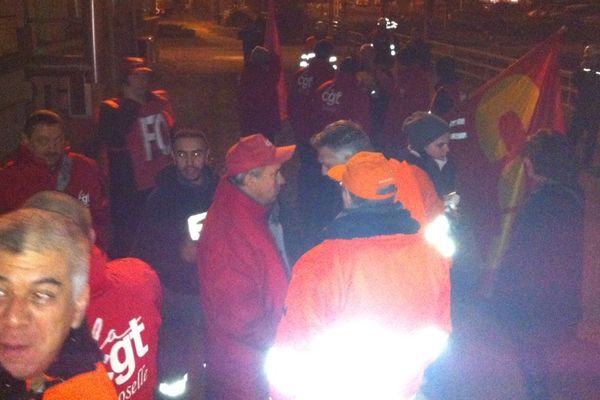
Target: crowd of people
[(157, 277)]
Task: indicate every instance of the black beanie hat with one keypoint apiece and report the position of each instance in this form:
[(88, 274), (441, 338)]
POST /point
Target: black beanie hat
[(423, 128)]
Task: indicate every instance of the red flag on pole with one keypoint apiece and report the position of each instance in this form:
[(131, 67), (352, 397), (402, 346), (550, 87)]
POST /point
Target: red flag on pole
[(501, 114), (272, 43)]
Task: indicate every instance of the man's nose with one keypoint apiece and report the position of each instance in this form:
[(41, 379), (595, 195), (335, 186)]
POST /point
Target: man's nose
[(16, 312), (57, 145)]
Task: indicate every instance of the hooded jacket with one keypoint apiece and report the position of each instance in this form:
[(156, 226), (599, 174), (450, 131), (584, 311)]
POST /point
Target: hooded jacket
[(243, 283), (163, 227), (124, 319), (373, 266), (26, 175), (76, 374)]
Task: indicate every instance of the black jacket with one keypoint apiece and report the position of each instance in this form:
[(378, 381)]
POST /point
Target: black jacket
[(539, 278), (163, 227)]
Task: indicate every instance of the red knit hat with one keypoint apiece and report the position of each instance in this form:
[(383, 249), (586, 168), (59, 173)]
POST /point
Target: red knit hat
[(255, 151)]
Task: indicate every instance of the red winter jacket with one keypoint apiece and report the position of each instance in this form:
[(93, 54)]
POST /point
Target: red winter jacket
[(300, 105), (26, 175), (342, 98), (137, 138), (243, 285), (124, 318)]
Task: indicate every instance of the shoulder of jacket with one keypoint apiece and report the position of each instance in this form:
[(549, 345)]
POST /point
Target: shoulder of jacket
[(113, 103), (82, 160), (161, 95)]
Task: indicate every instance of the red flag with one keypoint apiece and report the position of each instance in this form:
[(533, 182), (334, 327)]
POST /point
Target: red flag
[(522, 99), (272, 43)]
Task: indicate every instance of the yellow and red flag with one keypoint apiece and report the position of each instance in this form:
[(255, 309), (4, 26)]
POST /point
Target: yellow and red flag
[(273, 44), (501, 114)]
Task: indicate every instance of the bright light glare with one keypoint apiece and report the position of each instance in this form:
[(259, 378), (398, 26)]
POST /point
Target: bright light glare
[(358, 360), (303, 64), (438, 234), (175, 388), (332, 59)]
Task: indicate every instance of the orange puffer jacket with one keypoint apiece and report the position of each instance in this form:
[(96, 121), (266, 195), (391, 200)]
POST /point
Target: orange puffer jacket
[(92, 385), (377, 270)]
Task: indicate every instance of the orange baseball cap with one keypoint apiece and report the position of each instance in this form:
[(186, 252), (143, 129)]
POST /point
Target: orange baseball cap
[(255, 151), (367, 175)]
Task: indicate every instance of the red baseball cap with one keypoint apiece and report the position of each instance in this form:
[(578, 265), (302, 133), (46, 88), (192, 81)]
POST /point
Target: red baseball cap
[(255, 151), (368, 175)]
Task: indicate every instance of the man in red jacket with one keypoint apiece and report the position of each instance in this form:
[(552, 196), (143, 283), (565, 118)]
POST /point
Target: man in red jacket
[(343, 98), (242, 270), (123, 314), (134, 131), (42, 163)]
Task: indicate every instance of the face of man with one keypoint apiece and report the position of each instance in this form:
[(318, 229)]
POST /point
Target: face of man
[(265, 187), (36, 310), (138, 83), (47, 143), (189, 156), (439, 148), (328, 158)]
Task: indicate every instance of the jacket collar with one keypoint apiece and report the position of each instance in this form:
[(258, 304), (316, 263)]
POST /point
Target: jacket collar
[(364, 222), (232, 197)]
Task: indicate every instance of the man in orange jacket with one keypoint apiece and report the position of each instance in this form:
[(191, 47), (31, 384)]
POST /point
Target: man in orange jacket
[(46, 351), (342, 139), (367, 307)]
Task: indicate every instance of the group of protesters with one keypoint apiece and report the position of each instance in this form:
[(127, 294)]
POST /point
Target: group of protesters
[(156, 277)]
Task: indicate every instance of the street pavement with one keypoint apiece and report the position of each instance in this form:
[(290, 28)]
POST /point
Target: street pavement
[(201, 75)]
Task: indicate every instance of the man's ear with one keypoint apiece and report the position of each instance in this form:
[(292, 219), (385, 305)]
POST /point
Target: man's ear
[(81, 303)]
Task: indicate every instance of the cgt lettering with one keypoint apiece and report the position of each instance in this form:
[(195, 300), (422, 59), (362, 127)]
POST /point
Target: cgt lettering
[(305, 82), (130, 390), (331, 97), (122, 357)]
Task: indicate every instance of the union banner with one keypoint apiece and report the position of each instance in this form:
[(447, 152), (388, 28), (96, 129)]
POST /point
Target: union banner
[(500, 115)]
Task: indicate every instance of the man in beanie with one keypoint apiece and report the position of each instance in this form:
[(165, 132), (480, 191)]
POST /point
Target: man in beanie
[(242, 270), (258, 98), (372, 285), (134, 132), (428, 147)]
